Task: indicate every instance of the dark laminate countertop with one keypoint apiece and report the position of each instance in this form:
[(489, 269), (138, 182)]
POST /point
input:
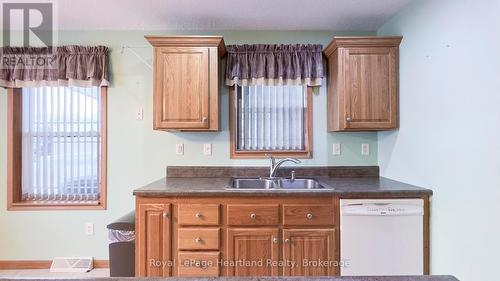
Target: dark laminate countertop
[(344, 278), (344, 187)]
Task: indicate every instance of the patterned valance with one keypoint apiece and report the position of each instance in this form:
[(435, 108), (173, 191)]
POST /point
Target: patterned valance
[(54, 66), (274, 65)]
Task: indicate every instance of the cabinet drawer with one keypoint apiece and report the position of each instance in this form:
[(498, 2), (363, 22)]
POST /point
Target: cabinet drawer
[(198, 239), (198, 214), (252, 214), (198, 264), (308, 215)]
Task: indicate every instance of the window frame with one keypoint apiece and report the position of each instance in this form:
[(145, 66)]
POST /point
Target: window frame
[(308, 127), (14, 159)]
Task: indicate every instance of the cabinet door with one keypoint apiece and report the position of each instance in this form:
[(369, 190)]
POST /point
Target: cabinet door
[(305, 249), (257, 246), (370, 88), (153, 257), (181, 88)]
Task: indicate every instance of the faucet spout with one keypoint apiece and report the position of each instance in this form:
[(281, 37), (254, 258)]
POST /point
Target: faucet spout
[(274, 166)]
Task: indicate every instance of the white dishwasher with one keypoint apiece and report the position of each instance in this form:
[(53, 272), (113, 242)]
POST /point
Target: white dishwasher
[(381, 237)]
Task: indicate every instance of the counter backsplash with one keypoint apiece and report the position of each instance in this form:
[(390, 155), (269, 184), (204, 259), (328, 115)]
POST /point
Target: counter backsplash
[(230, 171)]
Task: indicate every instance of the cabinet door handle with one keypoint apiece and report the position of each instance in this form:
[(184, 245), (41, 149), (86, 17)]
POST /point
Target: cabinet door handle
[(287, 240), (165, 215), (348, 119), (204, 119), (253, 216), (309, 216), (275, 240), (198, 215), (198, 240)]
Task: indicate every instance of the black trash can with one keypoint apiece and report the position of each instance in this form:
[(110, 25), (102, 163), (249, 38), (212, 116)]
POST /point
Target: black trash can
[(121, 238)]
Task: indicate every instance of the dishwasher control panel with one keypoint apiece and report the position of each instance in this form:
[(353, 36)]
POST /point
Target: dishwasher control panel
[(382, 209)]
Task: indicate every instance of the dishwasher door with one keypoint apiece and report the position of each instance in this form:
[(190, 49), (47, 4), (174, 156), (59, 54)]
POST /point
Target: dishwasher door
[(381, 237)]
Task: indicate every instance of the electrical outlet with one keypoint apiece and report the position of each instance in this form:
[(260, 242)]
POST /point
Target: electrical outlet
[(89, 228), (336, 149), (207, 149), (139, 114), (365, 149), (179, 149)]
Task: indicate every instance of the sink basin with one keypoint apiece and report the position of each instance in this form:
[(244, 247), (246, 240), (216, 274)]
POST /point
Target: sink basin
[(253, 183), (279, 183), (299, 184)]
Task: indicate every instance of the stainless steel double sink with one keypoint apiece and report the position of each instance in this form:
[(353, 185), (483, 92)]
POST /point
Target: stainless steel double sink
[(274, 183)]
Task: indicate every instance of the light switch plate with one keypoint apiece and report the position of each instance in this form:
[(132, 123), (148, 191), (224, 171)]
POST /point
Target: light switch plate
[(365, 149), (207, 149), (89, 228), (336, 149), (139, 114), (179, 149)]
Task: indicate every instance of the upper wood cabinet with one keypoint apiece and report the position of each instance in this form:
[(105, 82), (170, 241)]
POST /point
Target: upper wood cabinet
[(186, 82), (363, 83)]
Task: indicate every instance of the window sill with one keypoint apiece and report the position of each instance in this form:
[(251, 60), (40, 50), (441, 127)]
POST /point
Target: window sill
[(262, 154), (30, 206)]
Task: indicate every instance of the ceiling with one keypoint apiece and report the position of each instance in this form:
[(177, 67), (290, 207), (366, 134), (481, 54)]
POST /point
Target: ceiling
[(334, 15)]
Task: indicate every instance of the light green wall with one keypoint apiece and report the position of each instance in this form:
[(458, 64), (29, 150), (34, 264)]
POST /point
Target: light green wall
[(138, 155), (449, 138)]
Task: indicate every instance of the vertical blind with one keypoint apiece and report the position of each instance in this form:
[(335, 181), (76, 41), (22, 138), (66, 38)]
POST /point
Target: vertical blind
[(61, 143), (270, 117)]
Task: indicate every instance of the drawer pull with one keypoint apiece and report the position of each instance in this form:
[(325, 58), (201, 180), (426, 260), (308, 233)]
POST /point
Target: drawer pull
[(253, 216), (309, 216), (198, 240), (198, 215)]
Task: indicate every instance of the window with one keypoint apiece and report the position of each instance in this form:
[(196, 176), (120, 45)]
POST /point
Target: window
[(271, 119), (57, 147)]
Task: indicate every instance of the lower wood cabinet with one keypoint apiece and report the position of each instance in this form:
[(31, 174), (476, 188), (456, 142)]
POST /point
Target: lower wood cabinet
[(153, 251), (252, 214), (195, 264), (254, 251), (210, 237), (198, 239), (309, 252)]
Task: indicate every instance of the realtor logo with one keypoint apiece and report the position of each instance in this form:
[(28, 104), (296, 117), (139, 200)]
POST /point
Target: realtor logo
[(28, 24)]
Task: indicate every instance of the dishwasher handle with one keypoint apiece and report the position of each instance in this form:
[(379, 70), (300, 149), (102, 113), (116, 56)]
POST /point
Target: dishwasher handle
[(381, 209)]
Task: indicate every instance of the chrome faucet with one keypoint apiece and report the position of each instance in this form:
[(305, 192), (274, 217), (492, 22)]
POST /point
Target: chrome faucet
[(274, 166)]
